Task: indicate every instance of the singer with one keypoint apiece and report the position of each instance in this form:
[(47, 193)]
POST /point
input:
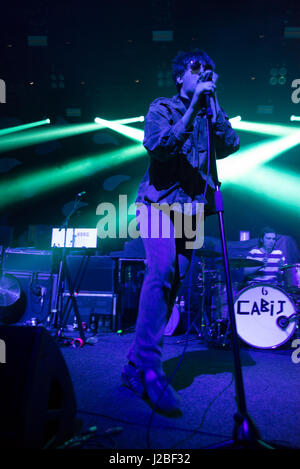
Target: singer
[(177, 143)]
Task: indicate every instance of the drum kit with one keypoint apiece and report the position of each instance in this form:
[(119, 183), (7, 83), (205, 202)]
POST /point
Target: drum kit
[(267, 315)]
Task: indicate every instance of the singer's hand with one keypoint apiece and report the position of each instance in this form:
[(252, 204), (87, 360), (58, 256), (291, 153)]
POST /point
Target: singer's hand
[(204, 83), (215, 77), (201, 88), (208, 75)]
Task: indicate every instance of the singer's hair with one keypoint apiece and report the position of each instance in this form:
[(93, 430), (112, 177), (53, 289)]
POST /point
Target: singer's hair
[(263, 231), (183, 59)]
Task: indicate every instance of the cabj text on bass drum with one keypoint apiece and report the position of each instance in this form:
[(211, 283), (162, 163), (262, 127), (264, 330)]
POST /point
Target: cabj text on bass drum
[(262, 315)]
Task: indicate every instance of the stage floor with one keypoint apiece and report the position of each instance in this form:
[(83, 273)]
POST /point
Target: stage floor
[(205, 383)]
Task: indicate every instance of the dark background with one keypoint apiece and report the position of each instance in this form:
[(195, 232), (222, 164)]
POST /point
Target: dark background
[(104, 55)]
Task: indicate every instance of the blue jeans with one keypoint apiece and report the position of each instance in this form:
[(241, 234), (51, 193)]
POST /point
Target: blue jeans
[(168, 261)]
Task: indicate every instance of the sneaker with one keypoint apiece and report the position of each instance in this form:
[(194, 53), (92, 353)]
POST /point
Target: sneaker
[(132, 378), (161, 395)]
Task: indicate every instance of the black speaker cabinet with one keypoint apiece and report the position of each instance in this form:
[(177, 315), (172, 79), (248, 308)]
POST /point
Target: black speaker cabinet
[(91, 273), (37, 403)]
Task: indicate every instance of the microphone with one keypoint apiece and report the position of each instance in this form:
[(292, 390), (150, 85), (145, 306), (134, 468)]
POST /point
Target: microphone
[(282, 322), (207, 96)]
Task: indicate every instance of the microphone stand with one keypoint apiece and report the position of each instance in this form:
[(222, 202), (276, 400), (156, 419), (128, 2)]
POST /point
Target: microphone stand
[(64, 274), (245, 433)]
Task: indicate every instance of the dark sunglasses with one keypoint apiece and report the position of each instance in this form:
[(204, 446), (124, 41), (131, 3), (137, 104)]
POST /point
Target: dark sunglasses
[(195, 64)]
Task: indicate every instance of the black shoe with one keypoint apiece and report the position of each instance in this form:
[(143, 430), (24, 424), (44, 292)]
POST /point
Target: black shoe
[(132, 378), (161, 395), (153, 386)]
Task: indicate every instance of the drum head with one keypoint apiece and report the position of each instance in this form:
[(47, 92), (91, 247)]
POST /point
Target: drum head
[(258, 313)]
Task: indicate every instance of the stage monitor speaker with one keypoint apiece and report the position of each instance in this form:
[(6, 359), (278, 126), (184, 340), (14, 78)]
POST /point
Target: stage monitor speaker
[(37, 404)]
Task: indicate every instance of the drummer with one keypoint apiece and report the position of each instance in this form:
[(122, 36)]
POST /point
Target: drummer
[(272, 259)]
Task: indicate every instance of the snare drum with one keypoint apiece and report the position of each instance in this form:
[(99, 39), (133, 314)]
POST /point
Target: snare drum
[(291, 277), (262, 313)]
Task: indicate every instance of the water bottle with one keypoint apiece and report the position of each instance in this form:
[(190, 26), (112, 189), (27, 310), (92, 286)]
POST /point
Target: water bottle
[(48, 320), (93, 323), (181, 305), (75, 324)]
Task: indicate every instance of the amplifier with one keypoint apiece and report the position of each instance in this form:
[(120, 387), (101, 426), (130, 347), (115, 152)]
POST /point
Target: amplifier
[(27, 260), (101, 305), (91, 273), (36, 295)]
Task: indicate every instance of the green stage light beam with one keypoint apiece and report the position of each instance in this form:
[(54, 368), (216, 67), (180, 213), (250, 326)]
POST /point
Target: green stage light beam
[(261, 128), (35, 137), (295, 118), (130, 120), (240, 163), (18, 128), (31, 184), (130, 132), (234, 120), (281, 187)]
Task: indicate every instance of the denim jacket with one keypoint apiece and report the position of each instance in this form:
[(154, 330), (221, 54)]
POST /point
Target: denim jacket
[(178, 170)]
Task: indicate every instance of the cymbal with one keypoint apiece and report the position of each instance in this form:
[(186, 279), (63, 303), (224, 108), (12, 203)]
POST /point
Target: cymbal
[(240, 262), (207, 253)]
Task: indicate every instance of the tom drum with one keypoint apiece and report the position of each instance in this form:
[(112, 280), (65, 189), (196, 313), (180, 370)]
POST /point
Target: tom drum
[(291, 277)]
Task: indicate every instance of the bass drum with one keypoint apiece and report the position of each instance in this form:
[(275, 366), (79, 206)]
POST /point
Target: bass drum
[(262, 315)]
